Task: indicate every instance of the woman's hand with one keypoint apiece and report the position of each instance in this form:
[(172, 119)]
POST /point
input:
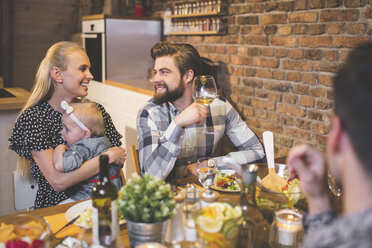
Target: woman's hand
[(117, 155)]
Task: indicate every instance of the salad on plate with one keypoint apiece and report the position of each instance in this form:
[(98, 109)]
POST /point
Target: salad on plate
[(225, 181)]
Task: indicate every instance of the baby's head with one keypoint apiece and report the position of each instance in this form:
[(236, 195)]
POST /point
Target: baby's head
[(91, 122)]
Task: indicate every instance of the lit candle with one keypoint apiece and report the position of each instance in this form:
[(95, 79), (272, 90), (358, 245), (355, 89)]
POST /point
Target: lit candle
[(289, 227)]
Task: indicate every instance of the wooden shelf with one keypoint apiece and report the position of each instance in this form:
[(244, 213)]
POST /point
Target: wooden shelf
[(196, 33), (198, 15)]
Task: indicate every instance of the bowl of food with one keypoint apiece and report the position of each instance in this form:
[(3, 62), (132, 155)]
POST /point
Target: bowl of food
[(217, 225), (23, 230)]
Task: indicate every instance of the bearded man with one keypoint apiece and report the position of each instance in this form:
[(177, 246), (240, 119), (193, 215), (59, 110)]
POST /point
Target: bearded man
[(169, 125)]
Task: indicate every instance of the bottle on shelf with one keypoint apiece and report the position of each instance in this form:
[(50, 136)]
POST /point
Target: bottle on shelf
[(104, 208), (256, 219), (167, 20)]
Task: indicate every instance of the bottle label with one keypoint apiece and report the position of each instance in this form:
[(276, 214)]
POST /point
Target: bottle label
[(105, 222)]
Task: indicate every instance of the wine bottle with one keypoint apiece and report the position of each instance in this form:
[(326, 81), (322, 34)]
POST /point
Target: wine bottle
[(256, 220), (104, 204)]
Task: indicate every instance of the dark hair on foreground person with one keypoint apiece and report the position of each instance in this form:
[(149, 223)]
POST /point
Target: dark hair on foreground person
[(186, 56), (353, 101)]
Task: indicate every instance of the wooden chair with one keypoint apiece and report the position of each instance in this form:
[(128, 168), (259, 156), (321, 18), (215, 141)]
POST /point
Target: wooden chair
[(134, 152)]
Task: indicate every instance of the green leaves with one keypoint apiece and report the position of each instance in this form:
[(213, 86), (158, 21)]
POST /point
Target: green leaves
[(147, 200)]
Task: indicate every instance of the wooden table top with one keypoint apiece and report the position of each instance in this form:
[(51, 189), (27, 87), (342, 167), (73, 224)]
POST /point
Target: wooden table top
[(16, 102)]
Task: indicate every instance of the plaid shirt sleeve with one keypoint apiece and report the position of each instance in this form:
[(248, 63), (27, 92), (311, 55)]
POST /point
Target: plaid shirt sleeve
[(158, 142), (250, 149)]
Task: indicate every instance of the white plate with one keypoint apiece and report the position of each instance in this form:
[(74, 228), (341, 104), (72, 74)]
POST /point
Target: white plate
[(227, 172), (79, 208)]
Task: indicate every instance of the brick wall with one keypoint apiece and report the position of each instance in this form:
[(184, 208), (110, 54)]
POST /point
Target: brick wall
[(277, 61)]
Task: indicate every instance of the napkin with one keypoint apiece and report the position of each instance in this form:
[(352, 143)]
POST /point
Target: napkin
[(57, 221)]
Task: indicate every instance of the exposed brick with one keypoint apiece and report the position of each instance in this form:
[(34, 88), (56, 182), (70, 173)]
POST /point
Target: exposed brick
[(271, 29), (326, 66), (295, 132), (325, 80), (316, 29), (262, 93), (356, 28), (330, 94), (220, 49), (263, 73), (295, 54), (313, 54), (266, 62), (219, 58), (338, 15), (300, 29), (262, 114), (274, 117), (257, 30), (268, 52), (317, 41), (245, 29), (286, 6), (242, 50), (319, 139), (253, 82), (309, 78), (263, 104), (287, 120), (368, 13), (287, 142), (237, 89), (278, 75), (344, 54), (281, 52), (245, 100), (299, 5), (353, 3), (293, 76), (335, 28), (231, 50), (243, 20), (240, 60), (330, 55), (273, 19), (306, 101), (320, 128), (302, 123), (305, 17), (316, 4), (194, 39), (271, 6), (248, 111), (283, 41), (233, 29), (257, 8), (300, 89), (248, 91), (206, 49), (250, 72), (275, 96), (231, 39), (256, 40), (332, 3), (317, 92), (297, 65), (323, 104), (238, 71), (275, 128), (284, 30), (277, 85), (254, 51), (290, 98)]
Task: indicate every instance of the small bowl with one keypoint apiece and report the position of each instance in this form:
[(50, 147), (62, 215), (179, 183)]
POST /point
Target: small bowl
[(23, 227)]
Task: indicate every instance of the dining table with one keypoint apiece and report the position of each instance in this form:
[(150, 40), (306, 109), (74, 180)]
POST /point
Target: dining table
[(230, 197)]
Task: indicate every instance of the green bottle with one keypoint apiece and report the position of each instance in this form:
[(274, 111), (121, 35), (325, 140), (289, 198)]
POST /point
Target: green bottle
[(105, 212)]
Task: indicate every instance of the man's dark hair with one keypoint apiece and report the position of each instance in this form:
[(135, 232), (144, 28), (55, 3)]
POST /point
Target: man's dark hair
[(353, 101), (185, 55)]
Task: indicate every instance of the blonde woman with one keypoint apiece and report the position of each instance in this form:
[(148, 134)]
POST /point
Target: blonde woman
[(63, 75)]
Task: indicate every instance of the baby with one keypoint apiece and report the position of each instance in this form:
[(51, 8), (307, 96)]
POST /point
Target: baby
[(83, 132)]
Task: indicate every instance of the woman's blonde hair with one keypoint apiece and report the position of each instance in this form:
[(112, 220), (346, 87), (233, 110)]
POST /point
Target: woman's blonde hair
[(90, 116), (43, 88)]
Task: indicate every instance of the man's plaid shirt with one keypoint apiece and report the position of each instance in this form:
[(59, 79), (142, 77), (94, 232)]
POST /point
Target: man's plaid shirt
[(165, 147)]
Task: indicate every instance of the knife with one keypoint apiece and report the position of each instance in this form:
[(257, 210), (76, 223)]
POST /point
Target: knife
[(68, 224)]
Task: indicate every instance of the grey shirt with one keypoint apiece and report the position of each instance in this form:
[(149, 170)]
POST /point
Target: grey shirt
[(325, 230), (82, 151)]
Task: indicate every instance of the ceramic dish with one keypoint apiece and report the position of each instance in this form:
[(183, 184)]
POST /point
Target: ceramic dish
[(222, 175)]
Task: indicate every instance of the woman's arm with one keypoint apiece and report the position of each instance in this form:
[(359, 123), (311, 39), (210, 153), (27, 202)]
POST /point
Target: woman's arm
[(57, 157), (61, 181)]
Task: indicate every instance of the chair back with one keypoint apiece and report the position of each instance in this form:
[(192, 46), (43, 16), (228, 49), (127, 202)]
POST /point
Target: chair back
[(134, 152), (24, 192)]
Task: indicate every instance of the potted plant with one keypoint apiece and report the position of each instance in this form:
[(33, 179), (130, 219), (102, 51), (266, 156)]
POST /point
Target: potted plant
[(146, 203)]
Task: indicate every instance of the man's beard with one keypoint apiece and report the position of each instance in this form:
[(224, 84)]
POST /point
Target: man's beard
[(169, 96)]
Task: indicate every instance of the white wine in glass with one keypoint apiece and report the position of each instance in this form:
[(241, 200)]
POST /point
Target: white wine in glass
[(204, 91)]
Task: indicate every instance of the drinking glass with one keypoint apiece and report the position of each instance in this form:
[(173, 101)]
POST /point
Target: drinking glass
[(286, 229), (207, 169), (204, 91)]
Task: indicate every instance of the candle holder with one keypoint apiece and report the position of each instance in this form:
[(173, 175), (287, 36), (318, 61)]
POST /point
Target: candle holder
[(286, 229)]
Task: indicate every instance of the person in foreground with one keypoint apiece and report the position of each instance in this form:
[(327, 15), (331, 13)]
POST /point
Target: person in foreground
[(84, 133), (62, 75), (168, 127), (349, 160)]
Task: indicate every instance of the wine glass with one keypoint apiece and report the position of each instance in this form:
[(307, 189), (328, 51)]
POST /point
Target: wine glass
[(204, 91), (207, 169)]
